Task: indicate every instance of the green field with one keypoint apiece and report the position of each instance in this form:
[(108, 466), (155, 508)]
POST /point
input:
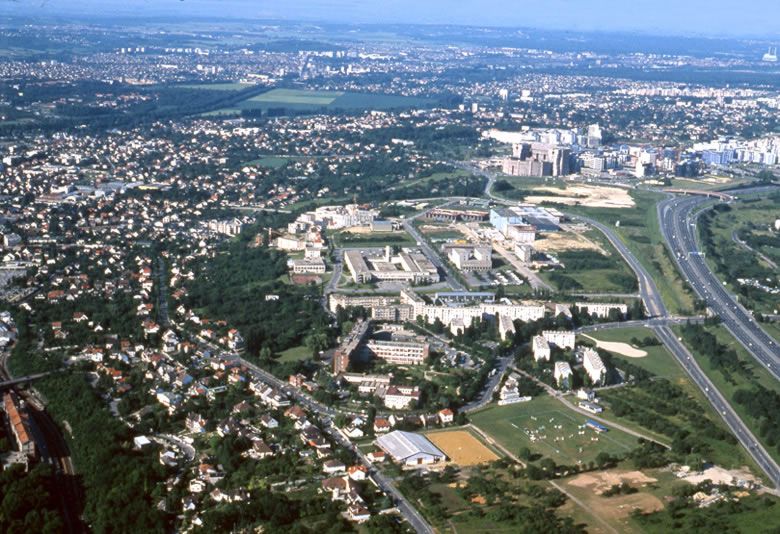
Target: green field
[(270, 162), (379, 239), (310, 100), (218, 86), (557, 430), (658, 360), (640, 231), (295, 354)]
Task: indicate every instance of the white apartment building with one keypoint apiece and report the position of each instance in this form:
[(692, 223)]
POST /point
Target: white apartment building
[(601, 310), (541, 349), (561, 339), (563, 374), (593, 365), (399, 352)]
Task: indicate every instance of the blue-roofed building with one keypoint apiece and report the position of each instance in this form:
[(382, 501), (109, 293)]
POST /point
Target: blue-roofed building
[(502, 218)]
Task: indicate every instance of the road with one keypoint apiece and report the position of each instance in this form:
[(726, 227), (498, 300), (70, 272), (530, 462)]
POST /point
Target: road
[(678, 225), (653, 303), (327, 414), (431, 253), (647, 288)]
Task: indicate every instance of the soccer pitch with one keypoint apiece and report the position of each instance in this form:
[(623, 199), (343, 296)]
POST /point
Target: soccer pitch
[(548, 428)]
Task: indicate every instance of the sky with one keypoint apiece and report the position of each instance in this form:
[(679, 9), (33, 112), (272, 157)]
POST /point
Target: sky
[(714, 18)]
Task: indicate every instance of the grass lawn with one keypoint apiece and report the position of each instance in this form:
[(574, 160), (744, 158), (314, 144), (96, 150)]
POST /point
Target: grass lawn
[(547, 427), (639, 230), (727, 387), (658, 360), (218, 86), (380, 239), (295, 354), (310, 100), (270, 162)]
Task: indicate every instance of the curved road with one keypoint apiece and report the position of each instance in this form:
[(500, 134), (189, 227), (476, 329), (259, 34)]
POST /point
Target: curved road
[(653, 303), (678, 227)]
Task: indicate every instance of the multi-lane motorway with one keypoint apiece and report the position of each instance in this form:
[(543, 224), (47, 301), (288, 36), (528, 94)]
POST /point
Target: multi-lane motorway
[(655, 306), (678, 225)]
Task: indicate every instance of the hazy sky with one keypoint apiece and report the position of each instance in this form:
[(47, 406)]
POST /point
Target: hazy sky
[(682, 17)]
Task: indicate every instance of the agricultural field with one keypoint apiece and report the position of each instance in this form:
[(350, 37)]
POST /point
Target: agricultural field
[(547, 427), (639, 230), (310, 100), (462, 447)]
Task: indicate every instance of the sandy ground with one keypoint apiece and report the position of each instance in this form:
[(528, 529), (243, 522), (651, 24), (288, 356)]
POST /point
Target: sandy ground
[(719, 475), (618, 347), (592, 196), (462, 448), (558, 241), (603, 480)]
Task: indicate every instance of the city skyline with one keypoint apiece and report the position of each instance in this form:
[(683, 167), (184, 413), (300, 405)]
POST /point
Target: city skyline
[(696, 18)]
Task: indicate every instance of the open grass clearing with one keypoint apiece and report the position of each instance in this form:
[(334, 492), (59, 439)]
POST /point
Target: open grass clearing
[(638, 228), (547, 427)]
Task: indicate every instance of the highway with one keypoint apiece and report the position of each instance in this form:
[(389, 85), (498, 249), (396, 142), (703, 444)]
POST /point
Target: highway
[(653, 303), (678, 225)]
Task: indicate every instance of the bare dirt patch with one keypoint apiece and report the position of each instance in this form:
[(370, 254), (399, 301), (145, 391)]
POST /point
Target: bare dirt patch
[(559, 241), (618, 347), (719, 475), (603, 480), (462, 448), (592, 196)]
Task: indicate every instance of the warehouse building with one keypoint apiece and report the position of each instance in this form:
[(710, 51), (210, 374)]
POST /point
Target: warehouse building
[(410, 449)]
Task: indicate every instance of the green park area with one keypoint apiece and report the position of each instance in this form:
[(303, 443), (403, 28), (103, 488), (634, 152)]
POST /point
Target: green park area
[(547, 427)]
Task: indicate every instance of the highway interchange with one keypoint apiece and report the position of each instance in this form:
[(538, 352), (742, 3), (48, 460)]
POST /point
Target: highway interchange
[(678, 223)]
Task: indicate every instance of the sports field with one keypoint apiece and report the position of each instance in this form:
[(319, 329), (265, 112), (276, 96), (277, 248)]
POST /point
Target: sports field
[(461, 447), (547, 427)]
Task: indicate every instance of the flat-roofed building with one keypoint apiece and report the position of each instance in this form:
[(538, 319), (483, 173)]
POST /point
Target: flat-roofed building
[(399, 352), (307, 265), (348, 346), (470, 257), (506, 327)]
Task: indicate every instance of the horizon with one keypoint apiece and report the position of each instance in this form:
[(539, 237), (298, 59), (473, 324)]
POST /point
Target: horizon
[(696, 19)]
